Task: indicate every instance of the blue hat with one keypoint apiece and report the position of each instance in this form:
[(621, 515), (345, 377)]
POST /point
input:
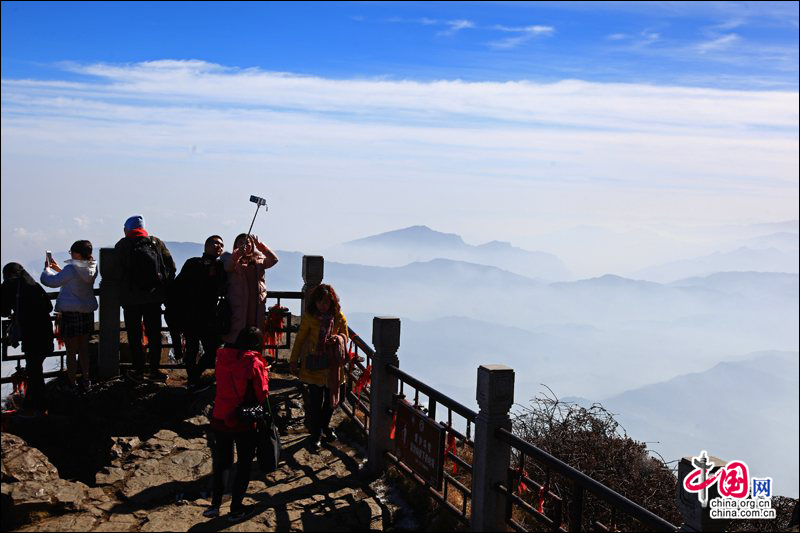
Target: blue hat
[(134, 222)]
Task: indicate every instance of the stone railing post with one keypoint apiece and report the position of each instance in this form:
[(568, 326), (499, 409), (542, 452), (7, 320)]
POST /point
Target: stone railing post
[(313, 270), (491, 459), (696, 516), (386, 340), (108, 350)]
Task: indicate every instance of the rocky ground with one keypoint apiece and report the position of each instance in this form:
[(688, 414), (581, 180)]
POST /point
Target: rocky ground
[(135, 458)]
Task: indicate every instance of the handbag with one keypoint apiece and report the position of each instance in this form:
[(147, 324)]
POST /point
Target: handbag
[(268, 442)]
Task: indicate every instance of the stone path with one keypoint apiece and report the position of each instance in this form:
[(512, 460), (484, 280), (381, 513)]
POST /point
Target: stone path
[(163, 484)]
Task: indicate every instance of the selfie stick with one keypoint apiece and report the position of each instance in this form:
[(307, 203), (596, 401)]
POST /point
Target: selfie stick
[(259, 202)]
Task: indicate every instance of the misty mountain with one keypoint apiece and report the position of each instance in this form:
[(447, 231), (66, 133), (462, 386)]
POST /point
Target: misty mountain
[(421, 244), (739, 260), (744, 409), (784, 241)]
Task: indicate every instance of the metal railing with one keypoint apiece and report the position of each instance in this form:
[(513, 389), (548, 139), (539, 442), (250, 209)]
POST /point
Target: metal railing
[(581, 484), (357, 404), (456, 492)]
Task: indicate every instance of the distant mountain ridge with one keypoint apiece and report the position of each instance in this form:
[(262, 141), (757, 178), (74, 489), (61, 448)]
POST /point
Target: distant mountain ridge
[(416, 244)]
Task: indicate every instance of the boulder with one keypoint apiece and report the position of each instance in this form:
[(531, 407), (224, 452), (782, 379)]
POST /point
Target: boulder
[(20, 462)]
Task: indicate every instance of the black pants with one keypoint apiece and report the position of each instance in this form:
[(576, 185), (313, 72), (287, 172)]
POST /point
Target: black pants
[(194, 368), (35, 395), (222, 459), (151, 314), (318, 410)]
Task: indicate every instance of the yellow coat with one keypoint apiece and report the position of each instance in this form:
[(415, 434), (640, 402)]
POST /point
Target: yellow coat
[(306, 343)]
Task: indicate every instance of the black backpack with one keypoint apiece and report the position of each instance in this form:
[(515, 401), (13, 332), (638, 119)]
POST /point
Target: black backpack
[(147, 268)]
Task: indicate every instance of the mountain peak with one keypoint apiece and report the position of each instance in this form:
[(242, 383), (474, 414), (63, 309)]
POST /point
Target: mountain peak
[(413, 235)]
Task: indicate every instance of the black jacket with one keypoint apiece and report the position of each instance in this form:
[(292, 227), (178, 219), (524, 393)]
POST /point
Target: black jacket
[(33, 311), (196, 290)]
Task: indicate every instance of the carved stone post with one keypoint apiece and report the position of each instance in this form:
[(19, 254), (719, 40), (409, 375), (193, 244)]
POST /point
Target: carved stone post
[(386, 340), (696, 516), (108, 351), (491, 459), (313, 270)]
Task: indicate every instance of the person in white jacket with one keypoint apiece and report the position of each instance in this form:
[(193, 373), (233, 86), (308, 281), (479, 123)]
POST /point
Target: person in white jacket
[(76, 303)]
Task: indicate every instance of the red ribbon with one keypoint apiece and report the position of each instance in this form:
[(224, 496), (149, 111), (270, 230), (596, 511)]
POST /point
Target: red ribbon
[(19, 381), (145, 340), (57, 331), (394, 423), (451, 447), (540, 503), (363, 381), (522, 487), (274, 324)]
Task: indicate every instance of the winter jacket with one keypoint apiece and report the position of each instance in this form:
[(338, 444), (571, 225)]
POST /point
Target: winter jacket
[(129, 294), (32, 308), (305, 343), (242, 378), (241, 290), (195, 293), (77, 286)]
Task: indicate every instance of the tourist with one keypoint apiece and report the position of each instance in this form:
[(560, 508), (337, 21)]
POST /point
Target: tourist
[(320, 350), (76, 303), (147, 268), (31, 325), (242, 380), (197, 290), (247, 288)]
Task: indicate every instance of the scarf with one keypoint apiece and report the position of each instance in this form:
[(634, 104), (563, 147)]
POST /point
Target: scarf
[(139, 232)]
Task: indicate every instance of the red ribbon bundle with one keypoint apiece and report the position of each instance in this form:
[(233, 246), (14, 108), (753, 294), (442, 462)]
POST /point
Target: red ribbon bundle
[(363, 381), (19, 382), (451, 447), (522, 487), (275, 322), (394, 423), (540, 501), (57, 331)]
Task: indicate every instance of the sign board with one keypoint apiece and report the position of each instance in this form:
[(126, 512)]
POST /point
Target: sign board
[(419, 443)]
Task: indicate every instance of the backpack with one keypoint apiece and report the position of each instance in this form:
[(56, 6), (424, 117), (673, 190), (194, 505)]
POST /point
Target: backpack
[(147, 269)]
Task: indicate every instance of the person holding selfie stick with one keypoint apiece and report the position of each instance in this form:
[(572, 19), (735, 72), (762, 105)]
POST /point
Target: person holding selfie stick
[(76, 303), (247, 286)]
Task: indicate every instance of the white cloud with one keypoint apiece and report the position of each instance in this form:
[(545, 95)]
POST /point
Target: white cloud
[(456, 25), (82, 221), (529, 151), (526, 34), (617, 37), (719, 43)]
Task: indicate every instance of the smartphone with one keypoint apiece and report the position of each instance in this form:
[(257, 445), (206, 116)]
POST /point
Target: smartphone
[(48, 256)]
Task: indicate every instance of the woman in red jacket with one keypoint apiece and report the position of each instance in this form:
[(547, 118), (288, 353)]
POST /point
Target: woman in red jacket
[(242, 379)]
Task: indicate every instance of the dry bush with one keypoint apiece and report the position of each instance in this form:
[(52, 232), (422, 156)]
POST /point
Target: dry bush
[(590, 440)]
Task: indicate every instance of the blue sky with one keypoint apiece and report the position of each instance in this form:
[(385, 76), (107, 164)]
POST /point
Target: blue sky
[(728, 44), (502, 120)]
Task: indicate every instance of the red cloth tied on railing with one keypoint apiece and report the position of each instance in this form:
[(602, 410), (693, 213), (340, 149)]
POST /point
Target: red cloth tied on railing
[(540, 499), (522, 487), (273, 336), (351, 354), (19, 382), (57, 331), (451, 447), (394, 425), (145, 340), (363, 380)]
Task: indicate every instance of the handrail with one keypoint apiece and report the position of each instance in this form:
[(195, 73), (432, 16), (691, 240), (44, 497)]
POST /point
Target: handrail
[(430, 392), (609, 495), (362, 345)]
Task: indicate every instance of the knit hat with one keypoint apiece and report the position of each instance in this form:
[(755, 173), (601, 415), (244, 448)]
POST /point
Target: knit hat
[(134, 222)]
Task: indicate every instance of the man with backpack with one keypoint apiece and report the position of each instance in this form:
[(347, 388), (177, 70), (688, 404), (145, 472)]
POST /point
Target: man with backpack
[(147, 268)]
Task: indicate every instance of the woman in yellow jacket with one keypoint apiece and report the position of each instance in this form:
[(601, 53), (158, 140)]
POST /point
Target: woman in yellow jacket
[(320, 348)]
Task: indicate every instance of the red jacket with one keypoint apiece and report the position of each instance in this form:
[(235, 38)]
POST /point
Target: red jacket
[(237, 370)]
